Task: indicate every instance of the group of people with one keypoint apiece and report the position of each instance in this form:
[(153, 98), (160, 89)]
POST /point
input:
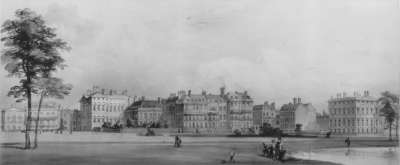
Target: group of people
[(274, 150), (178, 141)]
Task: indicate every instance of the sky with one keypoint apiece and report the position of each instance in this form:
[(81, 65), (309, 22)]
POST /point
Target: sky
[(274, 49)]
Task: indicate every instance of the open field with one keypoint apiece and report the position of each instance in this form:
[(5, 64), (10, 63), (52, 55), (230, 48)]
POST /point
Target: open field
[(100, 148)]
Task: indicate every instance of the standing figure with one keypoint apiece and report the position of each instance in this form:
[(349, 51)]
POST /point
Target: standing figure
[(176, 141), (277, 150), (232, 155), (179, 142), (347, 141)]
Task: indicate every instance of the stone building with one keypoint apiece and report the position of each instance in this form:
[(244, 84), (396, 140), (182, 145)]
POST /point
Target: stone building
[(144, 112), (265, 113), (76, 120), (298, 114), (356, 115), (50, 116), (240, 111), (66, 117), (102, 105), (209, 113), (198, 113), (12, 119)]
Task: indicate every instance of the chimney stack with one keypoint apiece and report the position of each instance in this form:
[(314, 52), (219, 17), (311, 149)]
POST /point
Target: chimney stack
[(203, 92), (273, 105), (189, 92), (222, 91), (294, 100)]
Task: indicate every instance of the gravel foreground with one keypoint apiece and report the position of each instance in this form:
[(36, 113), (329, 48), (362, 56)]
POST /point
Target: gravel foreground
[(98, 148)]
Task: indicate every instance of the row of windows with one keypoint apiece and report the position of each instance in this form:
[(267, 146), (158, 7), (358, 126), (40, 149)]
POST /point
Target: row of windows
[(13, 127), (102, 120), (149, 115), (202, 124), (352, 122), (352, 110), (202, 107), (236, 103), (267, 114), (359, 130), (205, 117), (108, 108), (353, 101), (242, 117)]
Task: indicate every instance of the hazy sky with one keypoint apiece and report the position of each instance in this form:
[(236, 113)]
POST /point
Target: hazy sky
[(274, 49)]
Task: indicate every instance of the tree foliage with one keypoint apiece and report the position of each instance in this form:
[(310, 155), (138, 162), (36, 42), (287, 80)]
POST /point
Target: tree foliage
[(31, 51), (388, 111)]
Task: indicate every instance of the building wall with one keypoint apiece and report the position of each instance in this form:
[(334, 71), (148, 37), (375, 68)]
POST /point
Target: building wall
[(265, 113), (355, 116), (258, 115), (144, 112), (49, 119), (204, 113), (100, 106), (12, 119), (240, 108), (209, 113)]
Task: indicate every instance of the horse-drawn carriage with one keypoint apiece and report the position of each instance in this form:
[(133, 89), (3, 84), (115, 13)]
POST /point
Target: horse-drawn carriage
[(274, 153)]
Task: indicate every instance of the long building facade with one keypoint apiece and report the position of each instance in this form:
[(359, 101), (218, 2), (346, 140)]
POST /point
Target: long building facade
[(102, 105), (209, 113), (14, 119), (356, 115)]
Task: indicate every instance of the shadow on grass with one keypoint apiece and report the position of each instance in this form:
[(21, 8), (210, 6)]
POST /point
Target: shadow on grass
[(13, 145)]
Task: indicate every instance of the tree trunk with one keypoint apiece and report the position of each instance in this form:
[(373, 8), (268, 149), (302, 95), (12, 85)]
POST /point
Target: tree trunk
[(28, 119), (397, 128), (390, 131), (37, 120)]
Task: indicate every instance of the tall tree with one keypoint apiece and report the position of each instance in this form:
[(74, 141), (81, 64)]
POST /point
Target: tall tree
[(49, 87), (31, 50), (389, 109)]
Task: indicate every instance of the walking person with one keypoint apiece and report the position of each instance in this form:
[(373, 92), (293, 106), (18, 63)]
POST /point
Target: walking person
[(347, 141), (277, 150), (232, 155), (179, 142), (176, 141)]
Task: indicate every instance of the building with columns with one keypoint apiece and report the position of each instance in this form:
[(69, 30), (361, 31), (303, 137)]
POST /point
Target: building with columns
[(98, 106), (356, 115)]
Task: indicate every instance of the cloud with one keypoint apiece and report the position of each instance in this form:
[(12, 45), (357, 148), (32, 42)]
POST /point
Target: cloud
[(276, 51)]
